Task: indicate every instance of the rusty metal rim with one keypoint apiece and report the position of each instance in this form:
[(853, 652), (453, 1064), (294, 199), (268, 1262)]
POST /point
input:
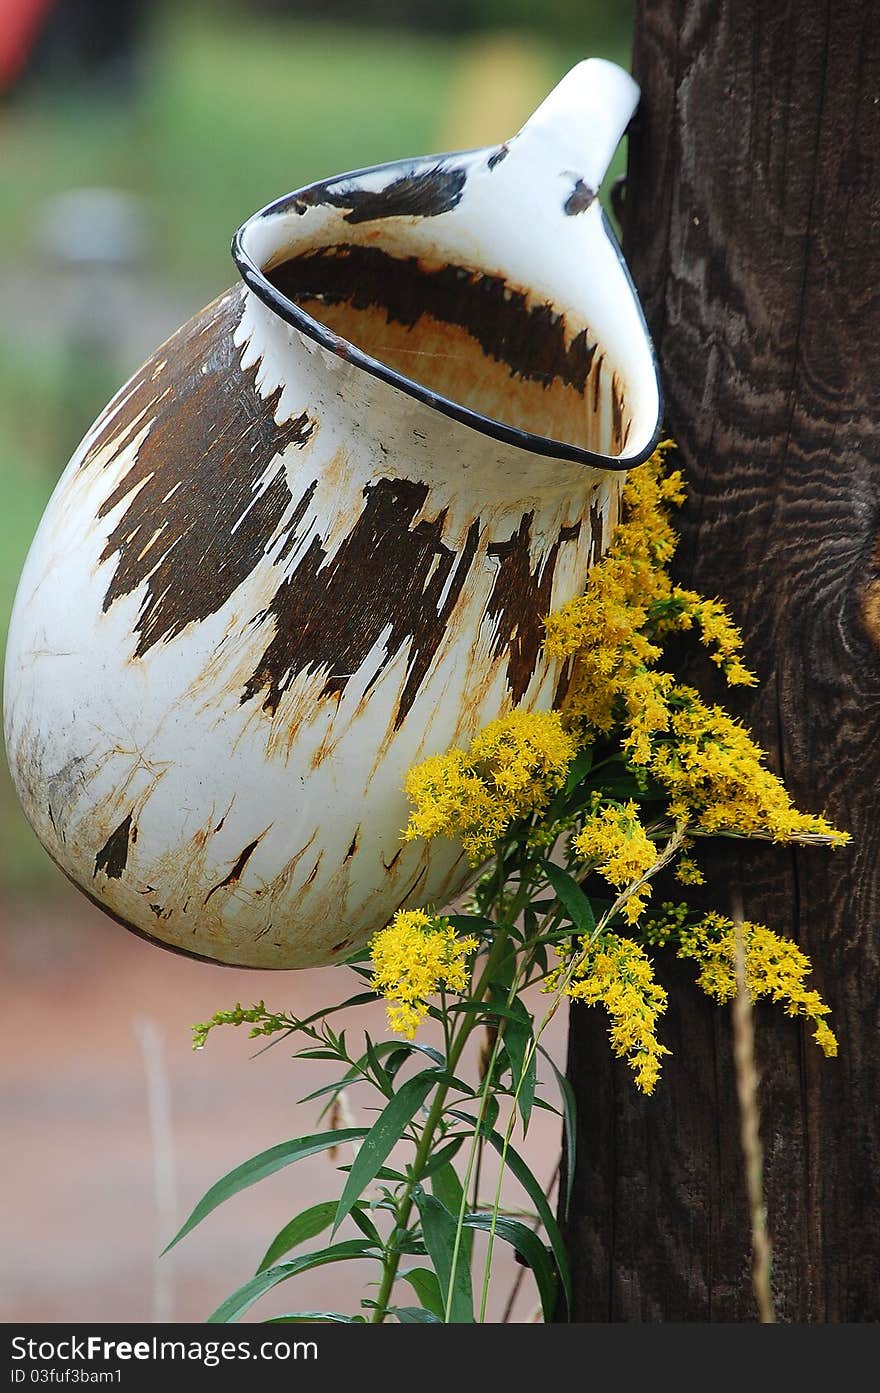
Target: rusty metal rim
[(287, 310)]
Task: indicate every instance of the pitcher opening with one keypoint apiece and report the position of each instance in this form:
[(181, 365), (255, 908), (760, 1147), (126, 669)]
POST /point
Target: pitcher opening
[(487, 283), (468, 335)]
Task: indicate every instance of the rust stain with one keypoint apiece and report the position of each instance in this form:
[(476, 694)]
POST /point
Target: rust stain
[(313, 872), (532, 338), (386, 578), (113, 856), (202, 502), (617, 410), (446, 359), (280, 882), (241, 861)]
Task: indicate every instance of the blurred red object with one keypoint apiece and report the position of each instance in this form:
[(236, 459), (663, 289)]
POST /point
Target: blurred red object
[(20, 25)]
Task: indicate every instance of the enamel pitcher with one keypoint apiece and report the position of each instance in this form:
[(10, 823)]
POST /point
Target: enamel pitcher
[(313, 540)]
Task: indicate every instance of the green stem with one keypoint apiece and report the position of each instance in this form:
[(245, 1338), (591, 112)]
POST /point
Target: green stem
[(564, 981), (404, 1208), (425, 1147), (459, 1228)]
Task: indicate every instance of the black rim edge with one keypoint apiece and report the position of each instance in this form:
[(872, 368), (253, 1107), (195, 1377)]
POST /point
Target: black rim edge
[(291, 313)]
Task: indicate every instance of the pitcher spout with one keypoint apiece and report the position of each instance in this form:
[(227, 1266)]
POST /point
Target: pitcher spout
[(486, 283)]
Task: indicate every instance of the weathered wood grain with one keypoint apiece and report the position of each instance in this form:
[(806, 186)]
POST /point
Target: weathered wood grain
[(753, 229)]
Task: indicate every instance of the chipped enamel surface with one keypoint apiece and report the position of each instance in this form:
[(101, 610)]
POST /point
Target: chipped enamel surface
[(271, 578)]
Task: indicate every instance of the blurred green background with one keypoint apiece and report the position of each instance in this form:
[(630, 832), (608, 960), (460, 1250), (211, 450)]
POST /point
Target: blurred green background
[(203, 114)]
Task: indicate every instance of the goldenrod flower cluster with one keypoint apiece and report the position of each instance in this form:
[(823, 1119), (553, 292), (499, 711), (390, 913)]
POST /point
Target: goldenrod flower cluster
[(615, 839), (775, 968), (511, 769), (687, 872), (691, 758), (412, 958), (614, 630), (712, 770), (717, 780), (616, 973)]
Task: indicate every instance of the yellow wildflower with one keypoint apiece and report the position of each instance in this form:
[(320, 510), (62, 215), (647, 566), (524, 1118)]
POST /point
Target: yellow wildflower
[(614, 838), (629, 603), (715, 773), (616, 973), (512, 769), (412, 958), (687, 872), (775, 968)]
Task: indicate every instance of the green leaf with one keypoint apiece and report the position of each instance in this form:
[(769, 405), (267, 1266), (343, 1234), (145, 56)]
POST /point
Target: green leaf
[(306, 1317), (384, 1133), (306, 1225), (533, 1188), (543, 1106), (518, 1036), (569, 1119), (442, 1157), (383, 1173), (321, 1053), (241, 1300), (446, 1187), (388, 1049), (360, 1217), (360, 999), (579, 768), (530, 1249), (414, 1315), (525, 1098), (439, 1228), (337, 1087), (481, 1008), (426, 1287), (375, 1069), (396, 1059), (571, 897), (503, 974), (258, 1167), (471, 924), (431, 1053)]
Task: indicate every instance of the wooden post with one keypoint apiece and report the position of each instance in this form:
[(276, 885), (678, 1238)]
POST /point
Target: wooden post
[(752, 225)]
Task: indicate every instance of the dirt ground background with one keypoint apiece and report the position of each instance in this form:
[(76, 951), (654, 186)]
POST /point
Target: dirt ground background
[(96, 1020)]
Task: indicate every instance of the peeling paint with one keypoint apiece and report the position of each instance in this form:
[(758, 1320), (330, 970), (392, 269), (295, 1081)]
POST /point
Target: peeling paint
[(328, 618), (423, 194), (113, 856), (579, 200), (202, 491)]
